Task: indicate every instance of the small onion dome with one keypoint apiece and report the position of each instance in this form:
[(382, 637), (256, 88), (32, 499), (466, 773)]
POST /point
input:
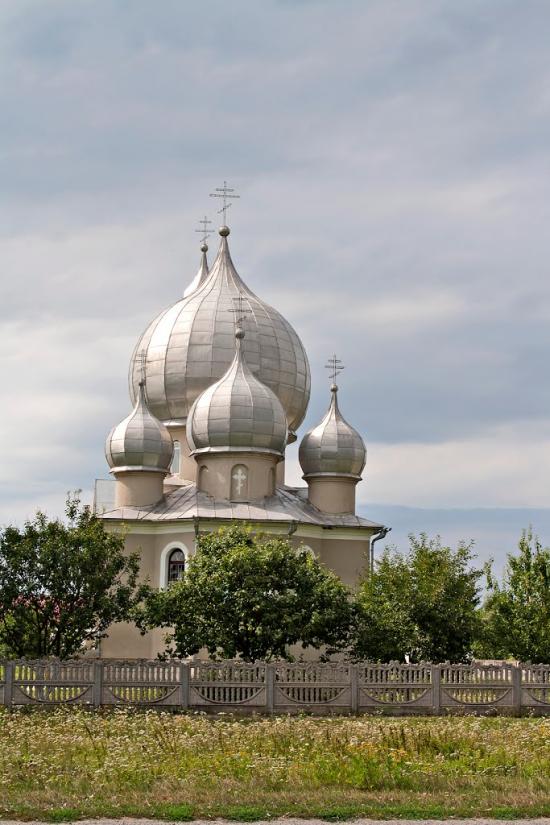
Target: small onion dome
[(237, 414), (191, 344), (201, 275), (333, 447), (140, 442)]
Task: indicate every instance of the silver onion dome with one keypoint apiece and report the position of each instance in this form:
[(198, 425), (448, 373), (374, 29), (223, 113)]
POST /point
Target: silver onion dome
[(238, 413), (190, 345), (140, 442), (201, 275), (333, 447)]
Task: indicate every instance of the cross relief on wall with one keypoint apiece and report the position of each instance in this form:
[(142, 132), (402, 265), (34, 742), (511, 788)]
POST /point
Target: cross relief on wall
[(239, 482)]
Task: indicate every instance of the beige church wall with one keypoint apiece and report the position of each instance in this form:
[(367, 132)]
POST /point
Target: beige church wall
[(154, 549), (188, 466), (348, 558), (124, 640), (347, 555), (216, 469), (138, 488), (332, 495), (280, 474)]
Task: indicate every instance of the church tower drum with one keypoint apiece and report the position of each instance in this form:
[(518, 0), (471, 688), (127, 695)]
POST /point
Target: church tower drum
[(237, 434), (139, 452)]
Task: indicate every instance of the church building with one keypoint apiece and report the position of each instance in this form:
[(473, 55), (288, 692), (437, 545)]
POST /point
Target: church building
[(220, 384)]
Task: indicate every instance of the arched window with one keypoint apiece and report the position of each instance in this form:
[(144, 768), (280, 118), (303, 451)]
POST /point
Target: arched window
[(176, 565), (239, 483), (201, 480), (176, 459), (168, 555)]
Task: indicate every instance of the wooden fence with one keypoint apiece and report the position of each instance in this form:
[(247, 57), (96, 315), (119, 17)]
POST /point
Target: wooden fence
[(279, 687)]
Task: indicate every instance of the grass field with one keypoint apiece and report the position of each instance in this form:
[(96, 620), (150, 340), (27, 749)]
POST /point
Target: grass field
[(69, 763)]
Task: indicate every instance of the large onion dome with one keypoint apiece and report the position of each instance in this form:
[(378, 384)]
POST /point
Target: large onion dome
[(201, 275), (140, 442), (333, 447), (238, 413), (190, 345)]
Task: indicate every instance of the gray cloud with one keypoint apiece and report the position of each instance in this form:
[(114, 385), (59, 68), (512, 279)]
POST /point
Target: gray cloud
[(392, 159)]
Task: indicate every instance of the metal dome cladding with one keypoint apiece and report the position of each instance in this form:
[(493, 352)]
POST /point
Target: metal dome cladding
[(190, 345)]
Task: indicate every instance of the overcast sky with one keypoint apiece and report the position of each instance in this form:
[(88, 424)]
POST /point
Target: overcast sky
[(393, 161)]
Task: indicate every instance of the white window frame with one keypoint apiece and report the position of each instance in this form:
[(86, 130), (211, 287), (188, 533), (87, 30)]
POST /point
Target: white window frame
[(165, 559)]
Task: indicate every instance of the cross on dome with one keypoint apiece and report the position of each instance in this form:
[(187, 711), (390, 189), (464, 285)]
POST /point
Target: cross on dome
[(240, 311), (335, 366), (142, 361), (226, 193), (205, 232), (180, 366), (333, 447)]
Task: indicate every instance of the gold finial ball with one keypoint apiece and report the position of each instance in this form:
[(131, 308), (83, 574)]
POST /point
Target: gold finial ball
[(239, 333), (204, 247), (334, 387), (224, 231)]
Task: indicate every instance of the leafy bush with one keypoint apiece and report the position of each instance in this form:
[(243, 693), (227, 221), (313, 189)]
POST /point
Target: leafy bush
[(516, 613), (62, 584), (252, 597), (422, 605)]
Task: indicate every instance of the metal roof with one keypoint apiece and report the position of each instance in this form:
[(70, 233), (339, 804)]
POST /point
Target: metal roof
[(201, 275), (190, 345), (288, 504), (237, 412), (333, 447), (140, 442)]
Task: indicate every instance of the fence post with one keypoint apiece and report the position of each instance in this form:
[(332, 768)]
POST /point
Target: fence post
[(97, 690), (270, 688), (8, 684), (436, 689), (184, 685), (354, 683), (516, 689)]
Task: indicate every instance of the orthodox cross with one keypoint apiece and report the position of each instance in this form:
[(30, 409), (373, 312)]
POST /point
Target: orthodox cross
[(226, 193), (142, 361), (240, 478), (239, 310), (335, 366), (205, 231)]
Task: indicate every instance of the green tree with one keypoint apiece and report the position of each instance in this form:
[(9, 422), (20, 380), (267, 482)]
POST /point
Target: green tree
[(62, 583), (423, 604), (516, 613), (250, 597)]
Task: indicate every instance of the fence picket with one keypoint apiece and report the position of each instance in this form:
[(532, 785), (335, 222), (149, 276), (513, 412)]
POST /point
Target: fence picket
[(436, 689), (8, 668), (322, 688)]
